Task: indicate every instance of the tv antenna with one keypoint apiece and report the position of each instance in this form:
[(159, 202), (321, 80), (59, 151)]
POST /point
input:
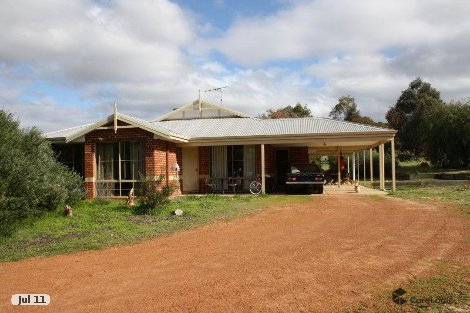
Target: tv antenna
[(218, 89)]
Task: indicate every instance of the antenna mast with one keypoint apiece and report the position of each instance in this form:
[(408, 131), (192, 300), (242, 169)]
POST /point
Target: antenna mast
[(218, 89)]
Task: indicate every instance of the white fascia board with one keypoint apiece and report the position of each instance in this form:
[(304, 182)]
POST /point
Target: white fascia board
[(91, 128), (123, 118), (379, 137)]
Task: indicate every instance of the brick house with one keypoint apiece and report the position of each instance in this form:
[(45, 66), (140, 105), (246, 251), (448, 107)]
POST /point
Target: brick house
[(202, 145)]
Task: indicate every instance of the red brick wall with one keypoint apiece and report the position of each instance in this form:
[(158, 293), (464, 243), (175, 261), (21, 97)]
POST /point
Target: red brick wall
[(298, 155), (268, 159), (89, 150), (100, 135), (155, 154)]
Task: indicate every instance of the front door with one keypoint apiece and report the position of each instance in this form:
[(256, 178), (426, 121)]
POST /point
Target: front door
[(190, 169)]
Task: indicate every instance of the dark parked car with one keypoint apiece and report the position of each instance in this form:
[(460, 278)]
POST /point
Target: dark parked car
[(307, 177)]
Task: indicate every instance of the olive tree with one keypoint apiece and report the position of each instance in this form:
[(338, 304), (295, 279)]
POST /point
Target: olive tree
[(32, 181), (447, 135)]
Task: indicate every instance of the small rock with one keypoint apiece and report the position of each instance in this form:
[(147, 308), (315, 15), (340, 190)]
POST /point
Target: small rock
[(178, 212)]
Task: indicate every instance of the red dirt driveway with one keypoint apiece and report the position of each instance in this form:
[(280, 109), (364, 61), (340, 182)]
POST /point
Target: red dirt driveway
[(320, 256)]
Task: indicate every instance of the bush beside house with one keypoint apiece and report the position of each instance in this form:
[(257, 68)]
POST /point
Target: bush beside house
[(31, 180)]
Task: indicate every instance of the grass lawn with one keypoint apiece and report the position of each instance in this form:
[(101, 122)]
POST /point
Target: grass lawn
[(458, 195), (104, 223), (414, 167), (448, 289)]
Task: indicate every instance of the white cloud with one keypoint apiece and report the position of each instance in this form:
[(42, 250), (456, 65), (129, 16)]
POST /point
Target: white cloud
[(369, 49), (125, 50), (314, 29), (255, 91), (78, 41), (153, 55)]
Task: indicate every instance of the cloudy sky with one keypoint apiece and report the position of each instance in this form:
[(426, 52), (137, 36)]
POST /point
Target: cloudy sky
[(64, 63)]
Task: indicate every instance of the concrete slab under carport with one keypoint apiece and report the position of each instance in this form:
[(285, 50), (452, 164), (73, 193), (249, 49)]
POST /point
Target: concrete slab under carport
[(327, 190), (349, 190)]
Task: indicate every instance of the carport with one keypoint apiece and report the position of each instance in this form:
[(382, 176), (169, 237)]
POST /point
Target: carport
[(343, 144)]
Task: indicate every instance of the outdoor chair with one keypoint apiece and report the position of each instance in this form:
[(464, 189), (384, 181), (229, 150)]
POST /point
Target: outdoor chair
[(233, 182), (211, 184)]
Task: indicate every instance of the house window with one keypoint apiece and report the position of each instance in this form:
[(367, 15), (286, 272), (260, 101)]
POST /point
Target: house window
[(71, 155), (118, 166)]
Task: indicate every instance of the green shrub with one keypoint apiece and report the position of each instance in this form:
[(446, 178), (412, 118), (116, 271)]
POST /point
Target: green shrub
[(31, 180), (154, 195)]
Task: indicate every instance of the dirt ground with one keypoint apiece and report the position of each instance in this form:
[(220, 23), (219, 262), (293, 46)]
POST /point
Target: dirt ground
[(321, 256)]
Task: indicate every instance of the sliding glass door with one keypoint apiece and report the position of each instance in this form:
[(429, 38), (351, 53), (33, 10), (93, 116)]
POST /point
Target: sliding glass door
[(233, 161)]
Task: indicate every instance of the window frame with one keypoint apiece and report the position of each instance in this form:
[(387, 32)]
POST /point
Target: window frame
[(117, 183)]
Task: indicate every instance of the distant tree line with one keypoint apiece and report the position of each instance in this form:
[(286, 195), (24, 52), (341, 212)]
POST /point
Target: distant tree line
[(288, 112)]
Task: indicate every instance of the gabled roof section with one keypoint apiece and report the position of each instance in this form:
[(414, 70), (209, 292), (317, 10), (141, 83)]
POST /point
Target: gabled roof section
[(72, 134), (201, 110)]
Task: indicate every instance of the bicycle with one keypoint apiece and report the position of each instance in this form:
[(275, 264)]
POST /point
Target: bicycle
[(255, 186)]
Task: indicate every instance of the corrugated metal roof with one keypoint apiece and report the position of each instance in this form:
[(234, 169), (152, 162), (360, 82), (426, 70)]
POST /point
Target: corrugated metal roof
[(228, 127), (157, 127), (66, 132), (243, 127)]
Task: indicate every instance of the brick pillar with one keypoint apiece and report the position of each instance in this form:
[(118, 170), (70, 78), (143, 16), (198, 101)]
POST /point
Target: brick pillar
[(150, 147), (155, 157), (89, 150)]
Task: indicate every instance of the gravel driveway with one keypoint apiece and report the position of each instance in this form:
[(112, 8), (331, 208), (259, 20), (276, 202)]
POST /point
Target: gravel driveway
[(324, 255)]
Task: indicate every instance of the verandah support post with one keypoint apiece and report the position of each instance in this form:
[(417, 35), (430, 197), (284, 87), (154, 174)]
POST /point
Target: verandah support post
[(339, 168), (371, 163), (382, 167), (263, 171), (364, 159), (394, 182), (354, 165), (358, 167)]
